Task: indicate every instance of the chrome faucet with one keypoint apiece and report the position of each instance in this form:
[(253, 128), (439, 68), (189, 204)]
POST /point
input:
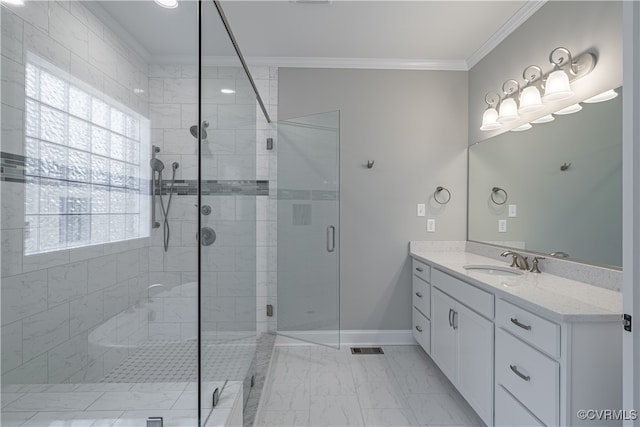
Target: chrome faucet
[(518, 260)]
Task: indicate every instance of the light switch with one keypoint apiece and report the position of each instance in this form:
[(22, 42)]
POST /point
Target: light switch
[(502, 226), (513, 212), (431, 225), (421, 209)]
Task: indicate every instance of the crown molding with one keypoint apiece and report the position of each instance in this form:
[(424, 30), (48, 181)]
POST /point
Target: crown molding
[(517, 19), (360, 63), (319, 62)]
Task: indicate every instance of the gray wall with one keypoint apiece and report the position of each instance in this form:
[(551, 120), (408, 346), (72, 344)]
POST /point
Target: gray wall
[(414, 125), (579, 26)]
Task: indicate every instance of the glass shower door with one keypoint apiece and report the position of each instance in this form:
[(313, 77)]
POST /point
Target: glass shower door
[(308, 234)]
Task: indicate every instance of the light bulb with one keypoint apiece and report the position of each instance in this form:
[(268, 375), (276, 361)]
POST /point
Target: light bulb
[(530, 100), (521, 128), (557, 87), (169, 4), (489, 120), (570, 109), (544, 119), (508, 111), (604, 96)]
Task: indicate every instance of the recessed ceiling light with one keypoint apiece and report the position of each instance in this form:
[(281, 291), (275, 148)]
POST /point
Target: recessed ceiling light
[(169, 4), (227, 91)]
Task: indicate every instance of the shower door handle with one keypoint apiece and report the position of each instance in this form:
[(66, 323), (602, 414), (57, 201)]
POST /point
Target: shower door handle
[(331, 238)]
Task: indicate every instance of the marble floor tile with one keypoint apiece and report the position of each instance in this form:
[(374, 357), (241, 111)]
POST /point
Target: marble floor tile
[(402, 387), (337, 383), (335, 411), (287, 397), (388, 418), (10, 397), (171, 418), (132, 401), (380, 396), (283, 419), (14, 419), (73, 401), (74, 419), (436, 409)]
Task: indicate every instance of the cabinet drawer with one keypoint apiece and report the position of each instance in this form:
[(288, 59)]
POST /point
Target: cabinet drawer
[(422, 330), (422, 296), (530, 327), (511, 413), (479, 300), (422, 270), (529, 376)]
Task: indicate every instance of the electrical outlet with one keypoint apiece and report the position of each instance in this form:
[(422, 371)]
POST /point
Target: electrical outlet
[(421, 209), (513, 212), (502, 226), (431, 225)]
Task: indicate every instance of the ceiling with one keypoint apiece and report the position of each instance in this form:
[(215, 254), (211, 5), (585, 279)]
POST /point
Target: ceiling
[(374, 34)]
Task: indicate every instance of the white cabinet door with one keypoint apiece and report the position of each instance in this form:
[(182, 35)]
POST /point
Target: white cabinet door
[(443, 336), (475, 361)]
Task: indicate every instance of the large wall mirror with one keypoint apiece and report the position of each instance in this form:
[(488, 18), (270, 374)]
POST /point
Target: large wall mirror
[(554, 189)]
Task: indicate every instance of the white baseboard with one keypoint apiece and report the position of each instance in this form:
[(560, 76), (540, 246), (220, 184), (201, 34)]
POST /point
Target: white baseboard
[(347, 338)]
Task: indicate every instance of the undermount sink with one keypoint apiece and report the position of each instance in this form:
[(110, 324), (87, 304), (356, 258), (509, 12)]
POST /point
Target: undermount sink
[(494, 270)]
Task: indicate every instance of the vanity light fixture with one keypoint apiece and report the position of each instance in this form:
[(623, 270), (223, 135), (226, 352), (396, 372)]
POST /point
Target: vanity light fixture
[(604, 96), (227, 91), (544, 119), (13, 2), (530, 100), (490, 115), (521, 128), (556, 85), (508, 111), (570, 109), (168, 4)]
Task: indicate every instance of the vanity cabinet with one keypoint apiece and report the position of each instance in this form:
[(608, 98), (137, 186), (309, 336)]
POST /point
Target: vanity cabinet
[(422, 304), (514, 364), (462, 346)]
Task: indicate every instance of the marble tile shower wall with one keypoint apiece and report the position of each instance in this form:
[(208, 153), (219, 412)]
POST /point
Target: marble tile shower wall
[(56, 306), (229, 153)]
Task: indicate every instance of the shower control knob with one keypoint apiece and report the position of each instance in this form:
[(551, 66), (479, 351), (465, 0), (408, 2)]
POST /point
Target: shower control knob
[(206, 210), (208, 236)]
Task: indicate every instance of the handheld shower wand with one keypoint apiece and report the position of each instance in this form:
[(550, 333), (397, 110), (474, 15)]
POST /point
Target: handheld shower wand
[(158, 166)]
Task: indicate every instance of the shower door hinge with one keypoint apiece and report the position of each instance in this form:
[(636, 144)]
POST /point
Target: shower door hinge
[(626, 322), (269, 143), (269, 310)]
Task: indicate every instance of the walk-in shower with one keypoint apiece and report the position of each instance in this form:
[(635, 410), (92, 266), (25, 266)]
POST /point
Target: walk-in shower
[(108, 318)]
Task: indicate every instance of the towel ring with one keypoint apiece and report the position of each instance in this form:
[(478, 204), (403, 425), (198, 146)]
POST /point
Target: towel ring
[(495, 190), (438, 191)]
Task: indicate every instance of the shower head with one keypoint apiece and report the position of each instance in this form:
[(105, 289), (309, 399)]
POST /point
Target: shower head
[(156, 165), (194, 130)]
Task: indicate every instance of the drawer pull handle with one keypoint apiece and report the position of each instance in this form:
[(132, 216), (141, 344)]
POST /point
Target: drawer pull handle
[(418, 328), (521, 325), (419, 269), (515, 370), (419, 294)]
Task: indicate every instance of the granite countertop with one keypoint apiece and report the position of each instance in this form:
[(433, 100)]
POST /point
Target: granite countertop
[(552, 296)]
